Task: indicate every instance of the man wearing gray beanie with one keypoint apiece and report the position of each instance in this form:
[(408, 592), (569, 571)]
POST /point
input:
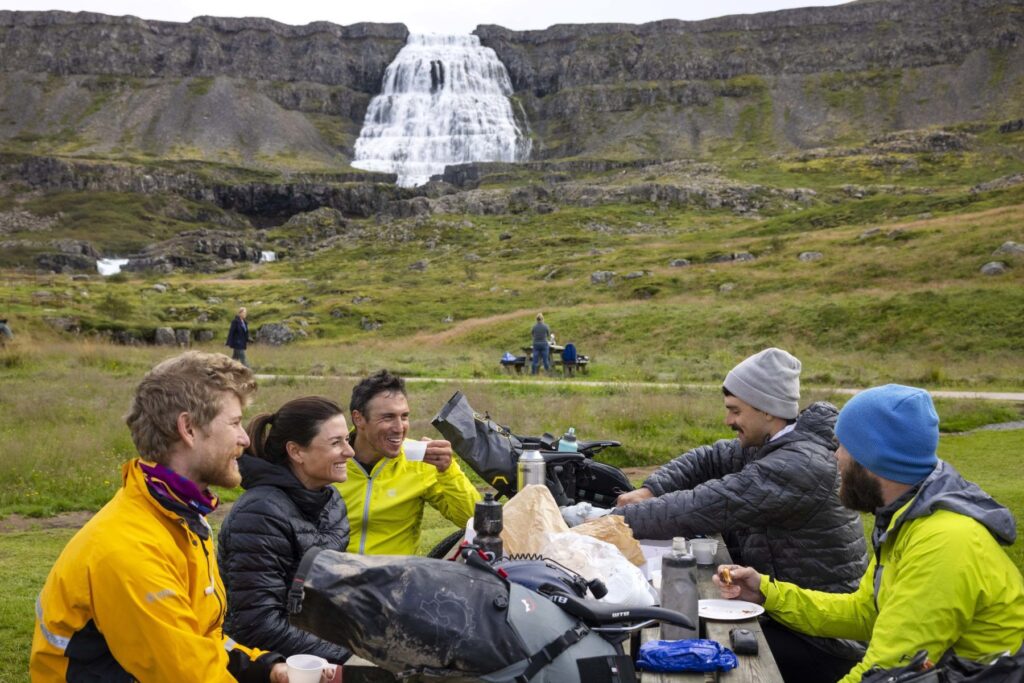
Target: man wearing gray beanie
[(773, 494), (938, 579)]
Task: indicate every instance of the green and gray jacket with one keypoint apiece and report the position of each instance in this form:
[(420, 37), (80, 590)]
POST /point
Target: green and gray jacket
[(937, 580)]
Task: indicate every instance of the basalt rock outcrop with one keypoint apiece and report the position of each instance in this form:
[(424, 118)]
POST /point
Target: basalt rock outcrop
[(791, 78)]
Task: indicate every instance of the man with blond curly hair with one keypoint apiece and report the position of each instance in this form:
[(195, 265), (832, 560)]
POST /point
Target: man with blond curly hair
[(136, 593)]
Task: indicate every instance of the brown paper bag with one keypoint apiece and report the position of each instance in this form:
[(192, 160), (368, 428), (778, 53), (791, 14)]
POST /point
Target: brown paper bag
[(525, 518), (613, 529)]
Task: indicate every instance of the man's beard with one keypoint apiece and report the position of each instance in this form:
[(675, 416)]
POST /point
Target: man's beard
[(222, 472), (859, 490)]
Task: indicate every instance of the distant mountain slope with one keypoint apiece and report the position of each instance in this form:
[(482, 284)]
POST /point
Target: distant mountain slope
[(793, 78), (251, 92), (259, 94)]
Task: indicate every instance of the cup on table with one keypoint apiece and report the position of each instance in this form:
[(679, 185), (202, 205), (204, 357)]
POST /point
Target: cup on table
[(704, 550), (305, 668), (414, 450)]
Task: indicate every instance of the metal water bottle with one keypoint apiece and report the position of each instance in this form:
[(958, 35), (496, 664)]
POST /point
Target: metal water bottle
[(487, 523), (531, 469), (679, 589)]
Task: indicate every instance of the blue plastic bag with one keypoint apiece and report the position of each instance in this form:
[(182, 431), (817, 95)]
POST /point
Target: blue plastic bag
[(666, 656)]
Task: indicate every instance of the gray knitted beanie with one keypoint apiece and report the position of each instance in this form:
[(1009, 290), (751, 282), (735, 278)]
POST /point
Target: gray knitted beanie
[(769, 381)]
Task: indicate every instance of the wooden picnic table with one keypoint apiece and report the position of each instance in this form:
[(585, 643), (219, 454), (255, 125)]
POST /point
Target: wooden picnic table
[(759, 668)]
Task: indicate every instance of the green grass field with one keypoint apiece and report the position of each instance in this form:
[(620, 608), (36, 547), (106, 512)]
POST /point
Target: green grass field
[(62, 412)]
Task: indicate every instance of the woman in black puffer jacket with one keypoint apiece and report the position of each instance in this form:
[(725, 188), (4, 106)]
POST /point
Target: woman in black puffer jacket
[(289, 506)]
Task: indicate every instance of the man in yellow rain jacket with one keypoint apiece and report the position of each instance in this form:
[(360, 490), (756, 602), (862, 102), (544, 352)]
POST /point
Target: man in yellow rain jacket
[(385, 491), (937, 580), (136, 594)]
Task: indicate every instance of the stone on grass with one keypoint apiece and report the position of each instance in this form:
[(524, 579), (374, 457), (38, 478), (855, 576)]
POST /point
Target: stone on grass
[(811, 256), (994, 268), (869, 233), (203, 336), (726, 287), (183, 337), (1010, 247), (370, 325), (679, 262), (419, 266), (275, 334), (602, 277), (163, 336)]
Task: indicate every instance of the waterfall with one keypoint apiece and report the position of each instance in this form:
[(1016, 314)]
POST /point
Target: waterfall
[(445, 100)]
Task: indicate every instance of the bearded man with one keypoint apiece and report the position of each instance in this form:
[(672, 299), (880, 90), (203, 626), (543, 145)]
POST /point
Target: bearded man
[(136, 593), (773, 495), (938, 579)]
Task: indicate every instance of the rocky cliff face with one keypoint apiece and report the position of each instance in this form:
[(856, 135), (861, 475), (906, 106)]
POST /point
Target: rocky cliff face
[(65, 44), (241, 91), (795, 77)]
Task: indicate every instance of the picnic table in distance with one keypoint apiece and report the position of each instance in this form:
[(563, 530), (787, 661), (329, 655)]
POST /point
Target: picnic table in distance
[(516, 364)]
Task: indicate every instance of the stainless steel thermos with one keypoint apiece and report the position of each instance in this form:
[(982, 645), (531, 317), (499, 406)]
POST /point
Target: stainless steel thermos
[(531, 469)]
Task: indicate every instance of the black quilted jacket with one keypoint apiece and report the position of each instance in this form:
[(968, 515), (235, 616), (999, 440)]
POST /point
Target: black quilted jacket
[(777, 507), (259, 548)]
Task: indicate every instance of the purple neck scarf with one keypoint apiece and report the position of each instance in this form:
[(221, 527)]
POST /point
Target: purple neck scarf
[(170, 485)]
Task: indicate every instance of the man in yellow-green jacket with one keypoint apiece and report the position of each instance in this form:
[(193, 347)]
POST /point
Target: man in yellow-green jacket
[(938, 579), (387, 488)]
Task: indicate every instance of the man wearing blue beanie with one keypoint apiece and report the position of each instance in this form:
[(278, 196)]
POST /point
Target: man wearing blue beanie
[(773, 494), (938, 579)]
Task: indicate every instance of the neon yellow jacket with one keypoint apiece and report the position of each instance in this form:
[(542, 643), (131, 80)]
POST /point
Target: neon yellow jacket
[(385, 509), (944, 583), (137, 589)]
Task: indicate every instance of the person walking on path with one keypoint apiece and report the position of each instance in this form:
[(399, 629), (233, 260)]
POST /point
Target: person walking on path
[(541, 333), (136, 593), (938, 579), (238, 337)]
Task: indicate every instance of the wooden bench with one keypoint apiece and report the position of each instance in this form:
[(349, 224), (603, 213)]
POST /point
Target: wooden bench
[(515, 365), (759, 668)]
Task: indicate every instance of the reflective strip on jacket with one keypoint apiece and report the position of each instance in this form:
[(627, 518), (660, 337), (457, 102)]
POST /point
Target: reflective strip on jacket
[(135, 594), (385, 508), (944, 583)]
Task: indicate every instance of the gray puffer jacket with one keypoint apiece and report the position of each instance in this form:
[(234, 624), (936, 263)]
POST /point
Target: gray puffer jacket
[(777, 506)]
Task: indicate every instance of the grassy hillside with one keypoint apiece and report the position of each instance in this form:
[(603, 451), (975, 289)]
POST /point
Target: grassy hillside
[(899, 232)]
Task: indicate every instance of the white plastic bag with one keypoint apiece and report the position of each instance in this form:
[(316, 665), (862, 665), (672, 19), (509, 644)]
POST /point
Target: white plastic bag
[(581, 512), (596, 559)]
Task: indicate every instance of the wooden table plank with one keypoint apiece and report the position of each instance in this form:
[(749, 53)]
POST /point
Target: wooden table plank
[(759, 668)]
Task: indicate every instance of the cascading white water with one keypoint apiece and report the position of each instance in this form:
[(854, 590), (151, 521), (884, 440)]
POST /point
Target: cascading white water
[(445, 101)]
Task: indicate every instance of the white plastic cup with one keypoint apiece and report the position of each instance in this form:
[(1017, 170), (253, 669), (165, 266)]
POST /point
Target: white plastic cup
[(414, 450), (305, 668), (704, 550)]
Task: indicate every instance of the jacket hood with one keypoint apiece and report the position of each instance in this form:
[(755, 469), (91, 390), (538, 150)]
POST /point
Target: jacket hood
[(819, 418), (946, 489), (258, 472)]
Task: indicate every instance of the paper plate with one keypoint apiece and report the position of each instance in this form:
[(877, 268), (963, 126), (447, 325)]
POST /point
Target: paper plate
[(728, 610)]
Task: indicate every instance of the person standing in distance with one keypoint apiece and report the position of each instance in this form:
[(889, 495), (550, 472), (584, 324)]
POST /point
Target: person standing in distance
[(136, 593), (540, 333), (238, 337), (938, 579)]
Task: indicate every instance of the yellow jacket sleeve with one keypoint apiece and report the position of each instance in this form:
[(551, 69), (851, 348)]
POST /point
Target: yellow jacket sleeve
[(453, 495)]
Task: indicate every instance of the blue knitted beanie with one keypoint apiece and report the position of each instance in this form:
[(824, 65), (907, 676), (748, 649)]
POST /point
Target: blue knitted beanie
[(892, 430)]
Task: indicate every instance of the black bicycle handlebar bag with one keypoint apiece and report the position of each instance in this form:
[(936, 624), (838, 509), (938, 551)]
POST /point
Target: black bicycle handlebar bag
[(416, 616)]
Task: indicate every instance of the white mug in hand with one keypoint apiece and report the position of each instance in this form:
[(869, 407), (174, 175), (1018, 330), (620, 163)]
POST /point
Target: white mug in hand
[(305, 668), (414, 450)]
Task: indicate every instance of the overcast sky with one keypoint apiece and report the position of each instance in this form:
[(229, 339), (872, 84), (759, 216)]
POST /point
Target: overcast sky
[(426, 16)]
